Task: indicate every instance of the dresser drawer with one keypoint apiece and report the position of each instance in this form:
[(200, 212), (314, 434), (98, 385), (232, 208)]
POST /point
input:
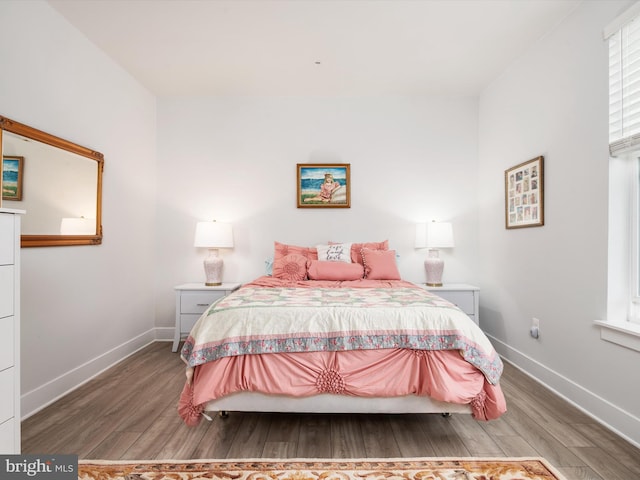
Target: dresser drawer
[(192, 299), (6, 400), (187, 321), (6, 343), (198, 302), (7, 279), (463, 300), (7, 239), (7, 436)]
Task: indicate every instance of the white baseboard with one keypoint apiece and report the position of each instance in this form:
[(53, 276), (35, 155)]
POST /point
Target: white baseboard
[(165, 333), (611, 416), (46, 394)]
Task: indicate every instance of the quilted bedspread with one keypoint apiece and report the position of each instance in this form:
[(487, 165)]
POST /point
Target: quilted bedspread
[(256, 320)]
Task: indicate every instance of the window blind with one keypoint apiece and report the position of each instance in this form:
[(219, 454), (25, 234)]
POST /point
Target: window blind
[(624, 88)]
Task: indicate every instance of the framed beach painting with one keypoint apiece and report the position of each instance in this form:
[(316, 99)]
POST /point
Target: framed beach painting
[(524, 194), (12, 171), (324, 185)]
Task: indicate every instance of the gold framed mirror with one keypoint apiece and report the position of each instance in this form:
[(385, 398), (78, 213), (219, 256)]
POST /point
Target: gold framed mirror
[(57, 182)]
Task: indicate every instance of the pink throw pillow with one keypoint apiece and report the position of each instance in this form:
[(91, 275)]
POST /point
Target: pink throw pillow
[(291, 267), (356, 249), (282, 249), (319, 270), (380, 264)]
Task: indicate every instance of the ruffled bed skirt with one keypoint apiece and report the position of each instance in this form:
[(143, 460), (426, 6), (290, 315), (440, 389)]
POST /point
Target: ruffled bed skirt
[(442, 375)]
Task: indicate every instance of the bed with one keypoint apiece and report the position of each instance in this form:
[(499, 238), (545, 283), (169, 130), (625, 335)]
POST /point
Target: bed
[(336, 330)]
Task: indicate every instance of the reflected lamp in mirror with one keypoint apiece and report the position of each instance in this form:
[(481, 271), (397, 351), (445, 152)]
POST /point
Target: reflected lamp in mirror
[(434, 236), (77, 226), (213, 235)]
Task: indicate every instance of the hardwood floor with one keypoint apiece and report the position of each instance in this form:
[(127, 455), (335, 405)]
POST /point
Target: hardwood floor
[(129, 412)]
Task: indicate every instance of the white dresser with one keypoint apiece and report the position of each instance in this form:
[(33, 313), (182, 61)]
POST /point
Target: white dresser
[(466, 297), (192, 299), (10, 331)]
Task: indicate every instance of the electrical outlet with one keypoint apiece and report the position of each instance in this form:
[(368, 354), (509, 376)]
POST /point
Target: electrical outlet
[(535, 328)]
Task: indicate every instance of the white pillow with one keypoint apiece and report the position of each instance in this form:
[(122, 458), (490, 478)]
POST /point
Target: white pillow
[(336, 252)]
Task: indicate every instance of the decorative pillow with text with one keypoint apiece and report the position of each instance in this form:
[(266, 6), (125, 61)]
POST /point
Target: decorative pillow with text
[(334, 252)]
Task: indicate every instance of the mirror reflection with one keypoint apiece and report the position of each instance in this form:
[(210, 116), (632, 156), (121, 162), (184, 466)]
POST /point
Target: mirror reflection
[(56, 185), (56, 182)]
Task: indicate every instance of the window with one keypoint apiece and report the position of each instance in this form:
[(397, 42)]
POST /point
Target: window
[(624, 143), (634, 222), (623, 305), (624, 84)]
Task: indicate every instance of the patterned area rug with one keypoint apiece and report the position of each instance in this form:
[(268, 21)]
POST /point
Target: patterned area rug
[(324, 469)]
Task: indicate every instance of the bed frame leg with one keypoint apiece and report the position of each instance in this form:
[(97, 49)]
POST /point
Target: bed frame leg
[(223, 414), (446, 414)]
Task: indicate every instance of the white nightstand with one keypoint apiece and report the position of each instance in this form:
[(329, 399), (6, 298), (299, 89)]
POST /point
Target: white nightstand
[(192, 299), (466, 297)]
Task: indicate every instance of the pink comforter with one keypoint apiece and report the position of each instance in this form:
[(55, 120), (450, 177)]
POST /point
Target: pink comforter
[(440, 374)]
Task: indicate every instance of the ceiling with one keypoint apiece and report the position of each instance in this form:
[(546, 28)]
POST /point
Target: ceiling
[(314, 47)]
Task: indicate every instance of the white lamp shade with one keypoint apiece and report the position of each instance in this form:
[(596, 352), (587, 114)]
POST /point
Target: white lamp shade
[(439, 235), (213, 235), (434, 235), (421, 235)]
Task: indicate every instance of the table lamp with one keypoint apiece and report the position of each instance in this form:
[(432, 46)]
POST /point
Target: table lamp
[(213, 235), (434, 235)]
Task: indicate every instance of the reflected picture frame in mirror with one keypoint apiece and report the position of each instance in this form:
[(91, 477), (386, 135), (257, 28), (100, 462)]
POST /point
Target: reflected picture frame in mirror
[(91, 232)]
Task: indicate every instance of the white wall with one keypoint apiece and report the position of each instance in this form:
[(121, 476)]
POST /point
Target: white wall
[(554, 102), (82, 307), (234, 159)]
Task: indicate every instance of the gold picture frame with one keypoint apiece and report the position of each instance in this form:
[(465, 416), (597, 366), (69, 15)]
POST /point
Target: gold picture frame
[(326, 185), (12, 173), (524, 194)]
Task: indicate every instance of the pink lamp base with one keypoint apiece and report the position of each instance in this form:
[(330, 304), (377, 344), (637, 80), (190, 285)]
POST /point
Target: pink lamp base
[(434, 267), (213, 268)]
